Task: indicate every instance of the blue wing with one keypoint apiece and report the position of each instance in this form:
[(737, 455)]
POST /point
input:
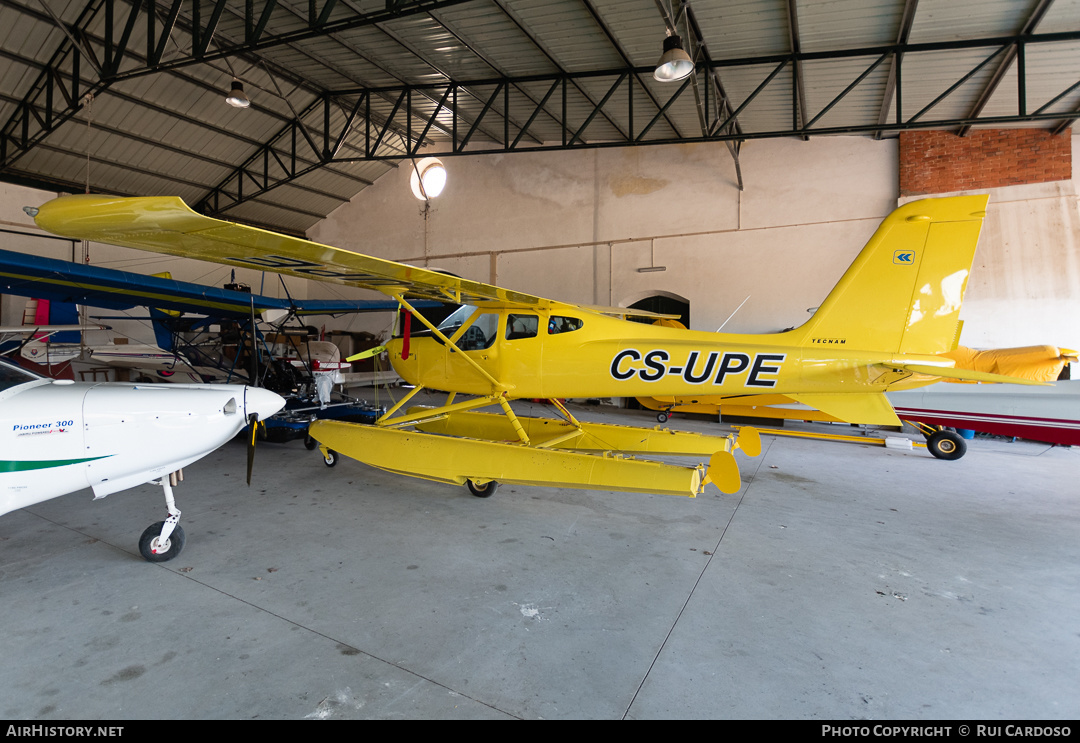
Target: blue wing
[(62, 281)]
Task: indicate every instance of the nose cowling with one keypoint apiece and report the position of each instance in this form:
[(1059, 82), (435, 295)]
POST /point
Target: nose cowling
[(406, 368), (263, 403)]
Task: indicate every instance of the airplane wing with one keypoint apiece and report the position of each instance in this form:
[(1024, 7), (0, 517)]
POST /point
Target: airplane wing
[(64, 281), (48, 329), (165, 224)]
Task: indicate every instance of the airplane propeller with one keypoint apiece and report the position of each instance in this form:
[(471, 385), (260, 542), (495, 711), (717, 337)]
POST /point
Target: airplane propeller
[(253, 424), (259, 404)]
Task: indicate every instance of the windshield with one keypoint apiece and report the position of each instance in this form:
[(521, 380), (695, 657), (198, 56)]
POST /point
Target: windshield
[(482, 332), (450, 325), (11, 375)]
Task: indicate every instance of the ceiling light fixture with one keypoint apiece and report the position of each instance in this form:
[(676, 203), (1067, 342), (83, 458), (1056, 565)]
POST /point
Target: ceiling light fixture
[(428, 178), (237, 98), (675, 63)]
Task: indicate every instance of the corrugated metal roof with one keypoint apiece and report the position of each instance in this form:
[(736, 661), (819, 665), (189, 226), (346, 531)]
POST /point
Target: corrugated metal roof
[(341, 91)]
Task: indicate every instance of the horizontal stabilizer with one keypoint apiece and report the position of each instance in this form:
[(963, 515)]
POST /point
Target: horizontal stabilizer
[(968, 375), (867, 408)]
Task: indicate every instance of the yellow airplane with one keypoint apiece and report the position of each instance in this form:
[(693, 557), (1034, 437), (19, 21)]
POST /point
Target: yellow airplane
[(881, 328)]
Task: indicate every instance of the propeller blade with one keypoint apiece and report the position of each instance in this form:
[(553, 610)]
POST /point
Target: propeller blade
[(253, 423)]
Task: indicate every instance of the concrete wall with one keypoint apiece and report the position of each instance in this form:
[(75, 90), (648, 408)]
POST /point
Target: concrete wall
[(1025, 285)]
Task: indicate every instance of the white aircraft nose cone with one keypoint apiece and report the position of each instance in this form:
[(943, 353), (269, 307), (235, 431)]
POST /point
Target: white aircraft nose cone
[(262, 402)]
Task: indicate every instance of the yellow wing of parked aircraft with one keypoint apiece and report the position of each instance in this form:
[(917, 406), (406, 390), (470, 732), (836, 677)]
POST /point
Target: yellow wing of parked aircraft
[(881, 328)]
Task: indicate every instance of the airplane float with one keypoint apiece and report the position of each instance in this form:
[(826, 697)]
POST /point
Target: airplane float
[(60, 436), (881, 328)]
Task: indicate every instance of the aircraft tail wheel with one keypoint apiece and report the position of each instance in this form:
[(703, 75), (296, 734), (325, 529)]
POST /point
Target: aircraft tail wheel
[(483, 491), (946, 445), (153, 550), (662, 417), (330, 458)]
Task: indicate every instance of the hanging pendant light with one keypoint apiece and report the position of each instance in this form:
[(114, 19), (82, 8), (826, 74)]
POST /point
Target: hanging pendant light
[(237, 98), (675, 63)]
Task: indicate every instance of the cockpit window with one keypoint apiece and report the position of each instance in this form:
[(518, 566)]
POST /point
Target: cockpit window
[(11, 375), (521, 326), (559, 324)]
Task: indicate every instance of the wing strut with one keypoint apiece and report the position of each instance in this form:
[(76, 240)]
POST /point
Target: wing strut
[(495, 384)]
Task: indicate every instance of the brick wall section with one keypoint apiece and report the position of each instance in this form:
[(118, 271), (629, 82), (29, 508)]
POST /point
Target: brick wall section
[(940, 161)]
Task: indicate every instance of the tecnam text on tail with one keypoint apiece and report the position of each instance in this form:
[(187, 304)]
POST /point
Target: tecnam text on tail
[(881, 328)]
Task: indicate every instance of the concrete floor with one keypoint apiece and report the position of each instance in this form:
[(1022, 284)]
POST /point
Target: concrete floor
[(845, 581)]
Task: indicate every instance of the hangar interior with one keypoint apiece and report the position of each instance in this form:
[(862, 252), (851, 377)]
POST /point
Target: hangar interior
[(842, 581)]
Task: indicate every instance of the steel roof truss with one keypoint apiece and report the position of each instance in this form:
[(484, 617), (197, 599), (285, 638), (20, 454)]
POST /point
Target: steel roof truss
[(257, 14), (17, 137)]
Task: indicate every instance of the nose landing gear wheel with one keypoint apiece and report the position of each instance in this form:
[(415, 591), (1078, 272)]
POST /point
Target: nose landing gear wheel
[(151, 547), (483, 491)]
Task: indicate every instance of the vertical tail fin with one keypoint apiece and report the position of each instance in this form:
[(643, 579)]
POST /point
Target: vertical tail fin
[(40, 312), (903, 292)]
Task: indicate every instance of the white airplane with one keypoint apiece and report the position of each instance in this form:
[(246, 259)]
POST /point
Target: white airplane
[(40, 349), (59, 436)]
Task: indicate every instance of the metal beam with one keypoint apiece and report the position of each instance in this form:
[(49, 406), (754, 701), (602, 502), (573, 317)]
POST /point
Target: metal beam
[(626, 59), (414, 110), (54, 97), (797, 82), (562, 73), (257, 14), (907, 19), (1011, 54), (719, 129)]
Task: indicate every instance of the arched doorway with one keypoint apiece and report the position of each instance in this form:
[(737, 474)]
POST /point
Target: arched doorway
[(664, 303)]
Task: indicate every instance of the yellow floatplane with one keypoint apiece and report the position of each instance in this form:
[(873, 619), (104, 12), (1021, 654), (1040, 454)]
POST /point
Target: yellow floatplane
[(881, 328)]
